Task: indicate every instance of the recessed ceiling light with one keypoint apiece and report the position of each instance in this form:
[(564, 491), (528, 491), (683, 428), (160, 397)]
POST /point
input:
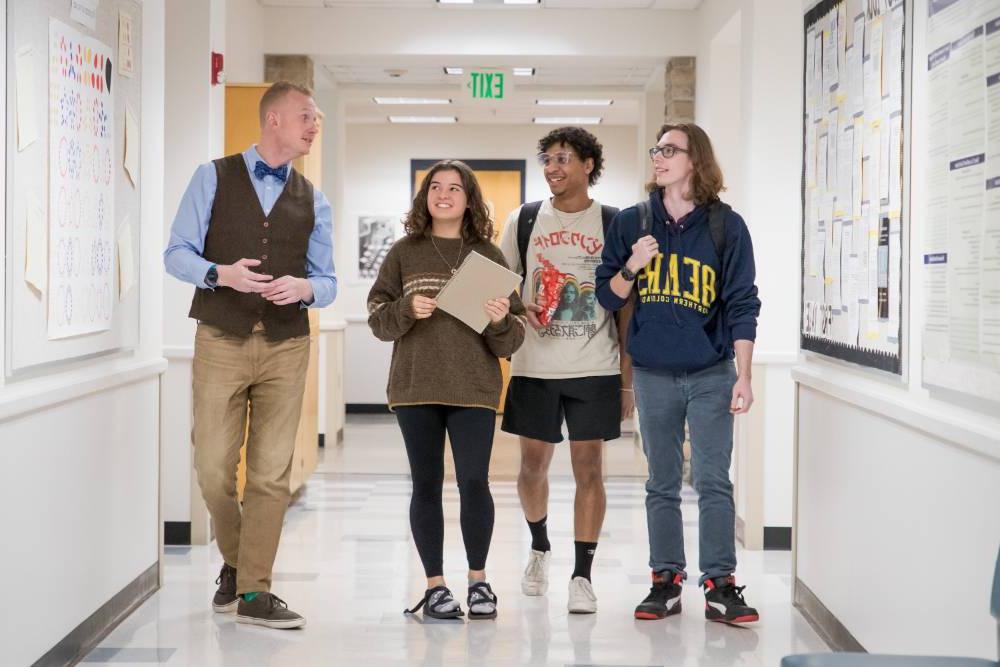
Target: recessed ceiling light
[(454, 70), (567, 120), (410, 100), (423, 119), (524, 71), (521, 2), (456, 2), (574, 103)]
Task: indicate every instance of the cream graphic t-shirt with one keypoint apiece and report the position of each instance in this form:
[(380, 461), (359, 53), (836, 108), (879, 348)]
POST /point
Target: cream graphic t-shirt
[(581, 340)]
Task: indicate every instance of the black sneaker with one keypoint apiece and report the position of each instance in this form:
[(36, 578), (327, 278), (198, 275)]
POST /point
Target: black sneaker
[(225, 599), (724, 602), (268, 610), (664, 597)]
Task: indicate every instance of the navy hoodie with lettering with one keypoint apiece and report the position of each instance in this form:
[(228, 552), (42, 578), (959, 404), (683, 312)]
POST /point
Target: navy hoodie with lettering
[(690, 306)]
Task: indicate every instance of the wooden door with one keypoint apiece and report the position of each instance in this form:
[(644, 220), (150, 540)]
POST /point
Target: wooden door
[(242, 130)]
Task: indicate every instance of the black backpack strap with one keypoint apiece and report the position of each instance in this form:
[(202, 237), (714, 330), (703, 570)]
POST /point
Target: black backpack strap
[(525, 223), (718, 211), (645, 217), (608, 214)]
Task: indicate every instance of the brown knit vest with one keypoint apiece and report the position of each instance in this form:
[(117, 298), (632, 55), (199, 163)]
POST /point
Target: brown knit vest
[(239, 229)]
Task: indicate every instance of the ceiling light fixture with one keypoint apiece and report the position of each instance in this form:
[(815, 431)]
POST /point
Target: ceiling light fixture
[(524, 71), (574, 103), (423, 119), (567, 120), (410, 100), (454, 71)]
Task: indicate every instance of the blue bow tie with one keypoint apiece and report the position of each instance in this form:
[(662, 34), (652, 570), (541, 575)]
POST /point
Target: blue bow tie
[(261, 170)]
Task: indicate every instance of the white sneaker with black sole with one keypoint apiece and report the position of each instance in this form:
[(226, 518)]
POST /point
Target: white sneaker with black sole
[(535, 581), (581, 597)]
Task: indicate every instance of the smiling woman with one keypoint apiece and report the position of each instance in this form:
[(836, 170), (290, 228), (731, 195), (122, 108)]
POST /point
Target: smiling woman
[(445, 376)]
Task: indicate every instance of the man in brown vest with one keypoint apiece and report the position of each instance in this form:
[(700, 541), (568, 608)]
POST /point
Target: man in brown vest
[(255, 238)]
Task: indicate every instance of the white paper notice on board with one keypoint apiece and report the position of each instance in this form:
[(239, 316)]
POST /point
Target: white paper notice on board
[(126, 261), (27, 124), (131, 160), (84, 12), (36, 250), (126, 55)]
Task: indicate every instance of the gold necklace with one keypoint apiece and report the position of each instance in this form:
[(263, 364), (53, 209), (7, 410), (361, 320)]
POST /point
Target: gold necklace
[(461, 246), (574, 218)]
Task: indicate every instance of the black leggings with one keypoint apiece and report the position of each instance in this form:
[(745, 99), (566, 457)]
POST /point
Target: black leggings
[(471, 434)]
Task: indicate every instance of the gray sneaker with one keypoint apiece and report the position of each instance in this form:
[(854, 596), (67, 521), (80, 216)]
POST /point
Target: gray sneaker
[(225, 599), (268, 610)]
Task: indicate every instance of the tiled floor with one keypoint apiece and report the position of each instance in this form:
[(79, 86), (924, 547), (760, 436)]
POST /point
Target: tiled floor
[(347, 563)]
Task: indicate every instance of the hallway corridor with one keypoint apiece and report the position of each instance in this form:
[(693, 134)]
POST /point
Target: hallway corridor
[(347, 563)]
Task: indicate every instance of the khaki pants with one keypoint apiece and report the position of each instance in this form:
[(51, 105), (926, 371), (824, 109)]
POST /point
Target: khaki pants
[(229, 372)]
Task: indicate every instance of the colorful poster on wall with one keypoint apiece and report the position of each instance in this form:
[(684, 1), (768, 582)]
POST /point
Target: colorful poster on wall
[(81, 184), (376, 234), (961, 253), (854, 222)]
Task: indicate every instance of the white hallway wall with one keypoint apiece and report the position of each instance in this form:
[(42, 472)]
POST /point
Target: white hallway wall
[(79, 443), (748, 98), (194, 134), (895, 482)]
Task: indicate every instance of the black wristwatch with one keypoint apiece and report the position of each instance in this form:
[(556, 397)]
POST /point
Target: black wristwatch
[(626, 274), (212, 277)]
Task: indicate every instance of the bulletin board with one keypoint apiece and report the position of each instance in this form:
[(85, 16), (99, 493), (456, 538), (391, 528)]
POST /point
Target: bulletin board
[(73, 185), (854, 182), (961, 252)]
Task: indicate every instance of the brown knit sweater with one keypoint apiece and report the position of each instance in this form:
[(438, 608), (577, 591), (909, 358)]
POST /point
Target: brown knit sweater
[(438, 360)]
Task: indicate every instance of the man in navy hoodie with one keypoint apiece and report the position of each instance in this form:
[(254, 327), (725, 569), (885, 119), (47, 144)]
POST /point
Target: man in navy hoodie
[(696, 309)]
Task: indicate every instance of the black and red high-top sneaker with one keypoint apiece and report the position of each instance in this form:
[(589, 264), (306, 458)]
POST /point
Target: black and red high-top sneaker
[(724, 602), (664, 597)]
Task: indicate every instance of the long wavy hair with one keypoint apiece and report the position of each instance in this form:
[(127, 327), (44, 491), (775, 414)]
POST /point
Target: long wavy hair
[(476, 223), (706, 176)]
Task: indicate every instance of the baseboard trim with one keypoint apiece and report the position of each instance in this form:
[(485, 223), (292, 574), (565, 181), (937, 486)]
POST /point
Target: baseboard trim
[(82, 639), (367, 408), (177, 533), (777, 538), (829, 628)]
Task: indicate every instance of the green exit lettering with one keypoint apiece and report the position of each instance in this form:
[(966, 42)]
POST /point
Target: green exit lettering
[(487, 85)]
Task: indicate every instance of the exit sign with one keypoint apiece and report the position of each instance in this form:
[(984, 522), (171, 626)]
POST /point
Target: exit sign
[(486, 85)]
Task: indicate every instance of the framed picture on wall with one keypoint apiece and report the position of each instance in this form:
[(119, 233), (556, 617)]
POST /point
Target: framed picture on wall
[(376, 234)]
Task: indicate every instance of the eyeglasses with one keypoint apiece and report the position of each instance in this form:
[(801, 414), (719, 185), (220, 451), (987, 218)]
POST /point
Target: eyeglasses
[(667, 151), (562, 159)]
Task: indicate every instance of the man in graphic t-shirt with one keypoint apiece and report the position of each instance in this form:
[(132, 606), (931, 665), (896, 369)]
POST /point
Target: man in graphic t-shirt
[(568, 367)]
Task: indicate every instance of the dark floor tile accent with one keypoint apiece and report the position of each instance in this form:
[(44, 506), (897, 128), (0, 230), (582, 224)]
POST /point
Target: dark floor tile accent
[(150, 655), (367, 409), (777, 538), (177, 532)]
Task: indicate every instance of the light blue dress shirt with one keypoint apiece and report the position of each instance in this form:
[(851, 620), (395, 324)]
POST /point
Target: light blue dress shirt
[(183, 256)]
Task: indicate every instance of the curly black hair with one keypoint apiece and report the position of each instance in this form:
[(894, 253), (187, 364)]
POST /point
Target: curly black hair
[(582, 142)]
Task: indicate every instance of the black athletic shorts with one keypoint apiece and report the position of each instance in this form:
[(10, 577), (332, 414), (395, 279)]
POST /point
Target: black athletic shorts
[(592, 406)]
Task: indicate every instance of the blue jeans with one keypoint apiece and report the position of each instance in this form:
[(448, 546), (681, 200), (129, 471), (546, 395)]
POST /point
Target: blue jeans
[(664, 399)]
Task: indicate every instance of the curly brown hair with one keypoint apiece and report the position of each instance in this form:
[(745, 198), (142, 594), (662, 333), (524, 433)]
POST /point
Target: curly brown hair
[(476, 224), (583, 142), (706, 177)]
